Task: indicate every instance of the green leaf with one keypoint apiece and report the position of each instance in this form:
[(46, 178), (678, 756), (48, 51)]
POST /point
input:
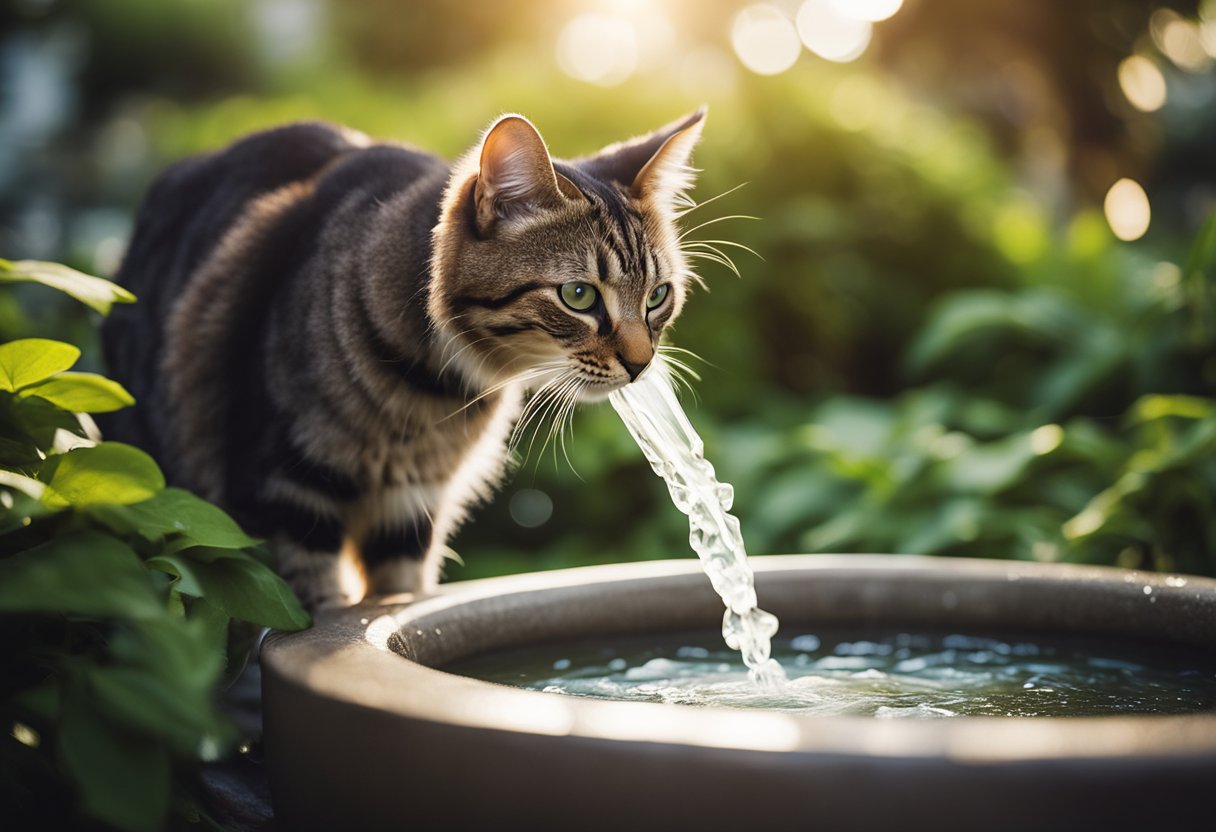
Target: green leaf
[(173, 512), (141, 699), (31, 360), (237, 584), (23, 484), (1152, 408), (82, 393), (122, 777), (176, 649), (15, 453), (85, 573), (107, 473), (34, 420), (989, 468), (94, 292), (185, 582), (212, 623)]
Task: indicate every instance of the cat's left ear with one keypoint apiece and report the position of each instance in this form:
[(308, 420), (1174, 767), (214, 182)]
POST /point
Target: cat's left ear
[(655, 166), (516, 175)]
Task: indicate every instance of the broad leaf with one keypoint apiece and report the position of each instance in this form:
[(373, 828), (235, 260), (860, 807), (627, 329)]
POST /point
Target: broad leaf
[(142, 699), (237, 584), (15, 453), (122, 778), (176, 649), (212, 623), (84, 573), (94, 292), (31, 360), (1154, 407), (175, 512), (34, 421), (107, 473), (82, 393), (25, 485)]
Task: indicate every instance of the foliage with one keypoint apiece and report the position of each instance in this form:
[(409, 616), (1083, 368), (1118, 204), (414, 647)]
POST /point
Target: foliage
[(1070, 418), (116, 595)]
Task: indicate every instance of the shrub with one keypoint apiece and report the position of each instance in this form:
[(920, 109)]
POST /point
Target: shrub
[(116, 595)]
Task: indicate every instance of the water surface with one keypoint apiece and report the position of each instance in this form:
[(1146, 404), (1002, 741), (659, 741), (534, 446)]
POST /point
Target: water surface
[(880, 674)]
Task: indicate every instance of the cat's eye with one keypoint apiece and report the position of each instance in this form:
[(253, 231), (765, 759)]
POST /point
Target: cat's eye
[(657, 296), (578, 296)]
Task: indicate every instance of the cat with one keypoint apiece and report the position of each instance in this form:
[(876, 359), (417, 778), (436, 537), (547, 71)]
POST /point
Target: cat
[(334, 337)]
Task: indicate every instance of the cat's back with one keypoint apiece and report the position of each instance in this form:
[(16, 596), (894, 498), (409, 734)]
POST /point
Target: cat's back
[(197, 208)]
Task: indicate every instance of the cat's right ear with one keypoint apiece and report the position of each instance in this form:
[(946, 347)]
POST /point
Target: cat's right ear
[(516, 175)]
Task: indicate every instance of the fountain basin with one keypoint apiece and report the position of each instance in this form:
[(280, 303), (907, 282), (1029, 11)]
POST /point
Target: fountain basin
[(363, 732)]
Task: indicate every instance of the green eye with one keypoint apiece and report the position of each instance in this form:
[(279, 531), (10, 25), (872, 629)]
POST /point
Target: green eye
[(657, 296), (578, 296)]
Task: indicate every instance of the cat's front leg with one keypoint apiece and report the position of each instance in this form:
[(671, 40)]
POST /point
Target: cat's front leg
[(308, 546), (398, 557)]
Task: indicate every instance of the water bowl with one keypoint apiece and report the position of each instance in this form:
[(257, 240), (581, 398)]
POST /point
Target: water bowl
[(364, 730)]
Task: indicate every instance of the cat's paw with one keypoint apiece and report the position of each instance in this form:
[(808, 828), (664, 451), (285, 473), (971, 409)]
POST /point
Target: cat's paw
[(418, 578)]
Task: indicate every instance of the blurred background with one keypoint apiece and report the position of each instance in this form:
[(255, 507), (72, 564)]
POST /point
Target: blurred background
[(983, 321)]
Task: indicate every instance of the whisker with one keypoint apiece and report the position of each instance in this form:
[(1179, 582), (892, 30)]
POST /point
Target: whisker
[(730, 243), (530, 374), (537, 404), (714, 257), (695, 205), (715, 221)]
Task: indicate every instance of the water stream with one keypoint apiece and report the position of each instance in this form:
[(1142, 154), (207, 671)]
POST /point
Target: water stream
[(653, 415)]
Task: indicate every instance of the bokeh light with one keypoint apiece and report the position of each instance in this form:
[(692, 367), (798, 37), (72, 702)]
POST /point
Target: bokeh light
[(530, 507), (708, 70), (598, 49), (1127, 210), (872, 10), (831, 35), (765, 40), (1180, 39), (1142, 83)]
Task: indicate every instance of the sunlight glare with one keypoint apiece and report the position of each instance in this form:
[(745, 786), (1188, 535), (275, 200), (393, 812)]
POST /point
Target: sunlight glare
[(871, 10), (598, 49), (1046, 438), (26, 735), (1142, 83), (352, 582), (831, 35), (765, 40), (1127, 210)]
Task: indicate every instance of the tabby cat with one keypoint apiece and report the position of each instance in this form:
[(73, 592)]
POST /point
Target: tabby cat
[(335, 336)]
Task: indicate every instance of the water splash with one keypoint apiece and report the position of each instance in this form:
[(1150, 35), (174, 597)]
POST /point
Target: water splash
[(676, 453)]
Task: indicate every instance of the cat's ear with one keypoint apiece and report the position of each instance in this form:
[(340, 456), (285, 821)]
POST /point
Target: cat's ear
[(654, 166), (516, 175)]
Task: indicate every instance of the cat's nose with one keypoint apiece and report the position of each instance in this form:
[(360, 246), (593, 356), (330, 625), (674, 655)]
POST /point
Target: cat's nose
[(634, 368), (633, 348)]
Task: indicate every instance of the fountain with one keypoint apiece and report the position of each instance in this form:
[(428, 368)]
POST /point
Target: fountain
[(363, 730)]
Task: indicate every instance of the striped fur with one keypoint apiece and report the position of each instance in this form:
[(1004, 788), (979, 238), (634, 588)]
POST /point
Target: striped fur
[(336, 337)]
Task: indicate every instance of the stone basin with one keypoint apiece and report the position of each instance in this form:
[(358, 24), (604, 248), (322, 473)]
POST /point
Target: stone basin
[(362, 732)]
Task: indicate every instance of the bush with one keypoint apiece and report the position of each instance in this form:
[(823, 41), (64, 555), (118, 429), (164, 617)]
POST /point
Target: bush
[(1072, 422), (116, 595)]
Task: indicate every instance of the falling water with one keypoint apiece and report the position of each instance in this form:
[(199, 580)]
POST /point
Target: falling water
[(676, 453)]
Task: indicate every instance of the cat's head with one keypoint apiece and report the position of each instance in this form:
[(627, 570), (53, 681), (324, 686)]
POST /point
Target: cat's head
[(562, 273)]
